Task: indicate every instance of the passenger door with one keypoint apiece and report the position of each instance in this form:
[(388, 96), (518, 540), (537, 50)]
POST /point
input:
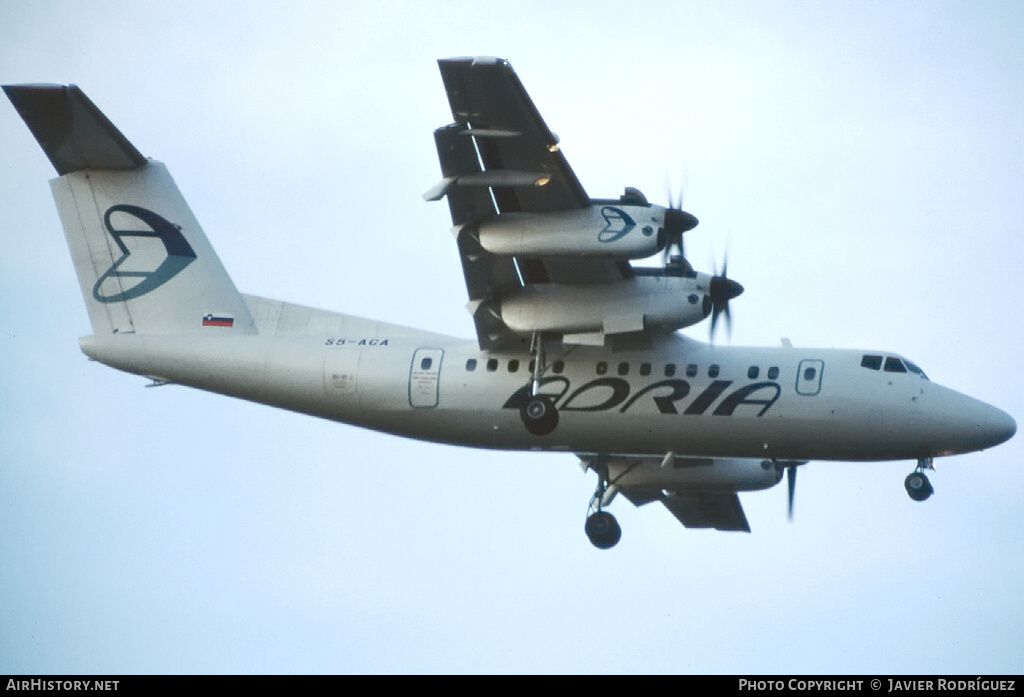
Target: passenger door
[(808, 377), (424, 374)]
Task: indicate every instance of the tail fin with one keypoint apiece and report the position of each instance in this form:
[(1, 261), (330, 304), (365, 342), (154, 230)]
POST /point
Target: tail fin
[(143, 261)]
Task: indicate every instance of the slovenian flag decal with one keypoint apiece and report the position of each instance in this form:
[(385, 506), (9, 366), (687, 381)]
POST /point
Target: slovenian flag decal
[(212, 320)]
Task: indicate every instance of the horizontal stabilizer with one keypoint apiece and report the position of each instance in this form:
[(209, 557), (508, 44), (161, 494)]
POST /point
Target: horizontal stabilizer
[(144, 263), (73, 133)]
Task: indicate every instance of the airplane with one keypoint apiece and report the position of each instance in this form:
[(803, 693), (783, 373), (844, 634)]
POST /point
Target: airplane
[(577, 350)]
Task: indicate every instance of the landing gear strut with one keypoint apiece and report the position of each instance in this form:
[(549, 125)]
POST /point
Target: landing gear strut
[(917, 484), (538, 412), (602, 529)]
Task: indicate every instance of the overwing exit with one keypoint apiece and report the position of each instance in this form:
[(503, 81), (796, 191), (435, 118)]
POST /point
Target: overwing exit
[(576, 350)]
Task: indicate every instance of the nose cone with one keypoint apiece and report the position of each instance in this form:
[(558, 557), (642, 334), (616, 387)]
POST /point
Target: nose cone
[(947, 422), (995, 426), (978, 425)]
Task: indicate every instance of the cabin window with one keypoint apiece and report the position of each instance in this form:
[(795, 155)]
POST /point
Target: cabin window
[(691, 370), (492, 365), (471, 365), (426, 363), (602, 368), (670, 369), (809, 374), (558, 366), (712, 371), (872, 362), (513, 365), (753, 372), (623, 368), (645, 368), (773, 373), (894, 365)]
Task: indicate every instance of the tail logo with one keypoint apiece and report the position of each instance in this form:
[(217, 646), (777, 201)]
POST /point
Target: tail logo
[(126, 284)]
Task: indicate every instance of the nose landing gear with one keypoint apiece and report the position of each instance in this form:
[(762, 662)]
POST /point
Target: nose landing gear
[(602, 529), (917, 484)]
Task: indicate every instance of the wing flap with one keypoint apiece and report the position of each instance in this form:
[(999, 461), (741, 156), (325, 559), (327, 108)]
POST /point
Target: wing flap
[(703, 509), (696, 508)]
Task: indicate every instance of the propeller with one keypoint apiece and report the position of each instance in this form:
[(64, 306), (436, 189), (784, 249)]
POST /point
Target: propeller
[(722, 290), (677, 221), (790, 467), (791, 483)]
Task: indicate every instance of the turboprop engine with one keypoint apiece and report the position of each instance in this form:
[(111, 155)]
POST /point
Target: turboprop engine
[(659, 301), (601, 230), (642, 302), (627, 228), (671, 473)]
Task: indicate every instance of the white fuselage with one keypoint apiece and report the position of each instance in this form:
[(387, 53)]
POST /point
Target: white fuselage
[(681, 396)]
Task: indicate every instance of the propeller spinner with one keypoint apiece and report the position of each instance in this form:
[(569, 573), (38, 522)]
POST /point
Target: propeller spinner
[(722, 290), (677, 221)]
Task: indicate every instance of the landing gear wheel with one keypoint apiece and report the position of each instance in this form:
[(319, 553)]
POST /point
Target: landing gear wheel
[(539, 415), (918, 486), (603, 530)]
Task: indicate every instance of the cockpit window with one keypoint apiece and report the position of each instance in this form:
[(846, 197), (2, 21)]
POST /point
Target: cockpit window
[(894, 365), (872, 362), (913, 368)]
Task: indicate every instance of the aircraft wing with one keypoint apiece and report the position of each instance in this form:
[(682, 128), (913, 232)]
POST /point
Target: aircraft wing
[(500, 157), (488, 101), (698, 509)]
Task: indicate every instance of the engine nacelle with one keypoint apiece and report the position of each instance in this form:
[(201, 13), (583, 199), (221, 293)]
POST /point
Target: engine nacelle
[(642, 302), (678, 473), (604, 230)]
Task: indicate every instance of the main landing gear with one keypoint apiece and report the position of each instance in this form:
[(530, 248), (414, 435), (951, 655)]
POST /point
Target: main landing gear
[(538, 413), (602, 529), (917, 484)]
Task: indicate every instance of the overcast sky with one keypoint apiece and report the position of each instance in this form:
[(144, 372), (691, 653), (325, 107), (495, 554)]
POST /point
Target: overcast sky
[(863, 164)]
